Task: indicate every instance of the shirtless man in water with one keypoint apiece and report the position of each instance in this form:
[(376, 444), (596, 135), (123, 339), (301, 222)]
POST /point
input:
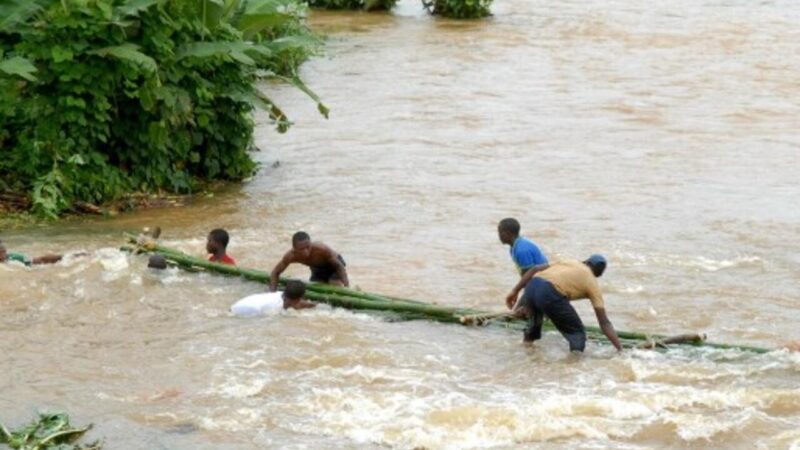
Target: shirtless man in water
[(326, 265)]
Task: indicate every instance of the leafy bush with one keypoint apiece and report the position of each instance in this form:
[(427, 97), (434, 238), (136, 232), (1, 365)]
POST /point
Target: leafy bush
[(49, 431), (137, 95), (459, 9), (367, 5)]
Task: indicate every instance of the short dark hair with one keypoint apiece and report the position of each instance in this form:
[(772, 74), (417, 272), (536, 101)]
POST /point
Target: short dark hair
[(294, 290), (300, 236), (509, 224), (219, 236), (157, 262)]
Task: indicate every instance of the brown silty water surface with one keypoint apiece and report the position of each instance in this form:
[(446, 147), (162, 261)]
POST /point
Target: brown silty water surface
[(662, 134)]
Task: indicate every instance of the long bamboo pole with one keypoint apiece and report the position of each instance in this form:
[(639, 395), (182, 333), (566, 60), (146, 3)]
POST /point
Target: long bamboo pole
[(354, 299)]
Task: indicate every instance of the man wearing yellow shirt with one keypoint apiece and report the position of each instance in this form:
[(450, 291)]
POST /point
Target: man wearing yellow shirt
[(549, 288)]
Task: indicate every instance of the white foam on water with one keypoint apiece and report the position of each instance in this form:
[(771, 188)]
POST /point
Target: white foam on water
[(114, 262), (635, 289), (385, 406), (323, 311), (713, 265), (789, 439), (697, 261), (693, 427)]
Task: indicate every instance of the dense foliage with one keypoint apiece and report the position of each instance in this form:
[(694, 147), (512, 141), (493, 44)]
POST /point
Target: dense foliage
[(459, 9), (49, 431), (455, 9), (103, 97), (367, 5)]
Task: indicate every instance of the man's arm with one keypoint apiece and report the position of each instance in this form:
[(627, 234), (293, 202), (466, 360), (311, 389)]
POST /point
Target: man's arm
[(511, 298), (304, 304), (340, 269), (607, 327), (47, 259), (278, 270)]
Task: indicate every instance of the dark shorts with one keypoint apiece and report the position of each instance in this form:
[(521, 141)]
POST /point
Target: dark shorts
[(543, 299), (326, 273)]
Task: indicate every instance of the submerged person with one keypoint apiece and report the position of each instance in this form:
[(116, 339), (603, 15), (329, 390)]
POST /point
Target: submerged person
[(6, 256), (549, 288), (158, 262), (524, 252), (293, 297), (217, 247), (327, 266)]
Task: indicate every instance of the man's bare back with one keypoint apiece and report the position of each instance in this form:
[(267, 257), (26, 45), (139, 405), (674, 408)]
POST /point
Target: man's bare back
[(327, 266)]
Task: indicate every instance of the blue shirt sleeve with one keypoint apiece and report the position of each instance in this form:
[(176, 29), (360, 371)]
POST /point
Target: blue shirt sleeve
[(526, 254)]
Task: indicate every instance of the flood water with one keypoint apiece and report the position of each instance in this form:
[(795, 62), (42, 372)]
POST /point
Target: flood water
[(662, 134)]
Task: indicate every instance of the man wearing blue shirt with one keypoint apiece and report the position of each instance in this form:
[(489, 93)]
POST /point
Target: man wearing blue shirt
[(524, 252)]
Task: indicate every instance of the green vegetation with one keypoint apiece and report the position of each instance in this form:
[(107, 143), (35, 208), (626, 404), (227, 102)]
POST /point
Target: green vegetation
[(99, 98), (367, 5), (454, 9), (49, 431), (459, 9)]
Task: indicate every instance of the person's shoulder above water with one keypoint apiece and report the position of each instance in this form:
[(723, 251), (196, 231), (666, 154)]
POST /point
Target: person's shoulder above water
[(224, 259), (217, 247)]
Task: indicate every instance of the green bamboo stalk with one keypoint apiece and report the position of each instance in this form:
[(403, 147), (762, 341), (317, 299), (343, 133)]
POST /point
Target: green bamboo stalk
[(353, 299), (264, 277)]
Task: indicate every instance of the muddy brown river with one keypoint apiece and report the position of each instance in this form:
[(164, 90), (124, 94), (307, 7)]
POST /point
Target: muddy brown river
[(662, 134)]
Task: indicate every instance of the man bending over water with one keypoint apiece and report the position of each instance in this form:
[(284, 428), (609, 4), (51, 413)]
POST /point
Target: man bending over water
[(549, 288), (327, 266)]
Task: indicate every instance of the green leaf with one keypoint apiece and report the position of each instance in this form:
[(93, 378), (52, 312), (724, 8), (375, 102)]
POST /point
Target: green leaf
[(15, 12), (301, 43), (18, 66), (259, 100), (298, 83), (128, 52), (76, 159), (251, 24), (61, 54), (133, 7), (236, 50)]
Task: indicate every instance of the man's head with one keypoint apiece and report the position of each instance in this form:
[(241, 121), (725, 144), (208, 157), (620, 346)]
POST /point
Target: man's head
[(301, 243), (157, 262), (217, 241), (597, 263), (3, 252), (508, 230), (293, 293)]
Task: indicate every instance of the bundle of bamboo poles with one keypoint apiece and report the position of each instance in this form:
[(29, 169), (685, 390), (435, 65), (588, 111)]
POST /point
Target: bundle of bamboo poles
[(408, 309)]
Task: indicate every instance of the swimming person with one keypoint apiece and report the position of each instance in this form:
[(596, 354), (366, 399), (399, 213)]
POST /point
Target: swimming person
[(6, 256), (217, 247), (273, 302)]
